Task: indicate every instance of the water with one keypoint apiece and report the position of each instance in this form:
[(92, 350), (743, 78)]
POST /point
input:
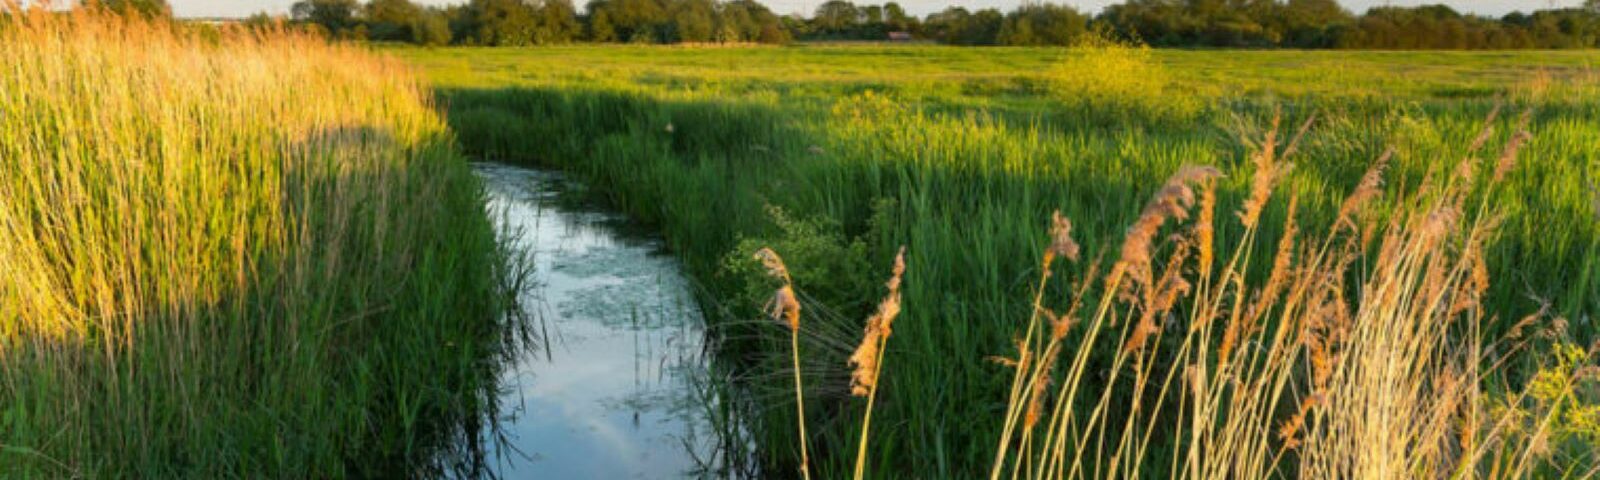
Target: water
[(615, 389)]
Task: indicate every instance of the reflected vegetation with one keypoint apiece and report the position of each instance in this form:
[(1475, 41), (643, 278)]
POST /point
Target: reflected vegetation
[(617, 386)]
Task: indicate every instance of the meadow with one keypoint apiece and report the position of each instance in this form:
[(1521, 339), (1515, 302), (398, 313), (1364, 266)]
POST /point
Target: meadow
[(234, 255), (256, 253), (835, 157)]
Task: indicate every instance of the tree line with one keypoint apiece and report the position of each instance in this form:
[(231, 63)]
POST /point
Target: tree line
[(1163, 23)]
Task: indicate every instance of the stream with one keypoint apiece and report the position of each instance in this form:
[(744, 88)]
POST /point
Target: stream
[(615, 387)]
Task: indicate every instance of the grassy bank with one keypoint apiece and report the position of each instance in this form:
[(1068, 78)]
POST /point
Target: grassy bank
[(232, 255), (835, 157)]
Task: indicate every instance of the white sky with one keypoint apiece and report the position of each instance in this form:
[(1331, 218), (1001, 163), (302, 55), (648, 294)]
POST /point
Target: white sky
[(240, 8)]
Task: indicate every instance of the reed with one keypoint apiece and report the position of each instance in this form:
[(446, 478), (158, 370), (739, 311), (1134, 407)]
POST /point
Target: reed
[(785, 307), (231, 254), (1303, 382)]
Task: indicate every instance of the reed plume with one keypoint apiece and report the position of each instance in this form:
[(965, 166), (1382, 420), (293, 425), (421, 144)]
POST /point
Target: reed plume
[(1370, 187), (868, 357), (1508, 156), (785, 308), (1172, 201)]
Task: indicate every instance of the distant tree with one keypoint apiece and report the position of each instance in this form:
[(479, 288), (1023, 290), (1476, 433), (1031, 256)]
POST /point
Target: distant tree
[(896, 19), (432, 29), (143, 8), (599, 26), (872, 14), (556, 22), (836, 17), (335, 17), (983, 28), (1042, 24), (393, 20), (692, 20), (503, 22), (637, 21), (1313, 23), (946, 25), (957, 26)]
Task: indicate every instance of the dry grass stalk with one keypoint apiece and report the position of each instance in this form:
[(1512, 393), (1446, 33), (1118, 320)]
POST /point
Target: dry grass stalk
[(1371, 187), (1386, 385), (868, 357), (1488, 129), (864, 376), (1269, 170), (1171, 202), (785, 308), (1508, 157), (1205, 228)]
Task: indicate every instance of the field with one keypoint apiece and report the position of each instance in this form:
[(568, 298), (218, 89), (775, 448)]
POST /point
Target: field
[(256, 253), (836, 156)]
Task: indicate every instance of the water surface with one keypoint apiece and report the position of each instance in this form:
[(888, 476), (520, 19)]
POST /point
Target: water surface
[(615, 387)]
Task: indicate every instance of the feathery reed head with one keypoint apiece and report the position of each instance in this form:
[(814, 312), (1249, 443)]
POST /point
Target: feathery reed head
[(1205, 227), (1370, 187), (1269, 170), (773, 263), (785, 306), (1061, 244), (1508, 157), (1172, 201), (1488, 128), (866, 359)]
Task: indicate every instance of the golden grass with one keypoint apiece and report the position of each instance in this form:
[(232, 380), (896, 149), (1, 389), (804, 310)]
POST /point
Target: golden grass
[(785, 307), (1302, 382), (216, 248)]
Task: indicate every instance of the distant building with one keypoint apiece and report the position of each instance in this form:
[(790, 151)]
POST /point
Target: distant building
[(899, 36)]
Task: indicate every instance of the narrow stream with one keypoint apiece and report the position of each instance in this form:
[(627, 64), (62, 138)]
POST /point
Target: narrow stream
[(615, 388)]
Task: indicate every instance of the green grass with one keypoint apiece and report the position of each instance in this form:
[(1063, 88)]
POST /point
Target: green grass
[(234, 256), (835, 156)]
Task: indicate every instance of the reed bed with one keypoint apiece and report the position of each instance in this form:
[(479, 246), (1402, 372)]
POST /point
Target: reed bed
[(231, 254), (1362, 355), (835, 157)]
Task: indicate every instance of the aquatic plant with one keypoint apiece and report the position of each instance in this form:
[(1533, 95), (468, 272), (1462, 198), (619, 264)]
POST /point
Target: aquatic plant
[(232, 253)]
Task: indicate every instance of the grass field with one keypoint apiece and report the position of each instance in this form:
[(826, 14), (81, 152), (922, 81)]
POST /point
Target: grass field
[(233, 256), (836, 156)]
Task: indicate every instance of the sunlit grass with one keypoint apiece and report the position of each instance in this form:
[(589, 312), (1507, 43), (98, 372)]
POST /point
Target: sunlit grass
[(231, 255), (836, 156)]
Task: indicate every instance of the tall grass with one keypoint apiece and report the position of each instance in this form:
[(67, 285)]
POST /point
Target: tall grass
[(835, 157), (231, 255), (1363, 353)]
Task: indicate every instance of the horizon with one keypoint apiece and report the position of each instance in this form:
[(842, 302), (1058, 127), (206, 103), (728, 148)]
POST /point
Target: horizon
[(919, 8)]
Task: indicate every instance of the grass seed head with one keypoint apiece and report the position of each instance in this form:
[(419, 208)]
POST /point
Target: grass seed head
[(1370, 187), (867, 355), (1172, 201), (1061, 243)]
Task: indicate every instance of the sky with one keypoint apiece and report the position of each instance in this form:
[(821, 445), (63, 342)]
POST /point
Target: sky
[(240, 8)]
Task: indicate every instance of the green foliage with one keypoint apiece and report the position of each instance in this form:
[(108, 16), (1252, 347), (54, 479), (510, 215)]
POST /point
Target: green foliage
[(1042, 24), (336, 17), (975, 148), (1116, 79), (1558, 413), (142, 8), (823, 262)]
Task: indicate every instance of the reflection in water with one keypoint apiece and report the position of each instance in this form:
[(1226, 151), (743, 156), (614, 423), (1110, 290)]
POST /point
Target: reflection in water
[(616, 388)]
